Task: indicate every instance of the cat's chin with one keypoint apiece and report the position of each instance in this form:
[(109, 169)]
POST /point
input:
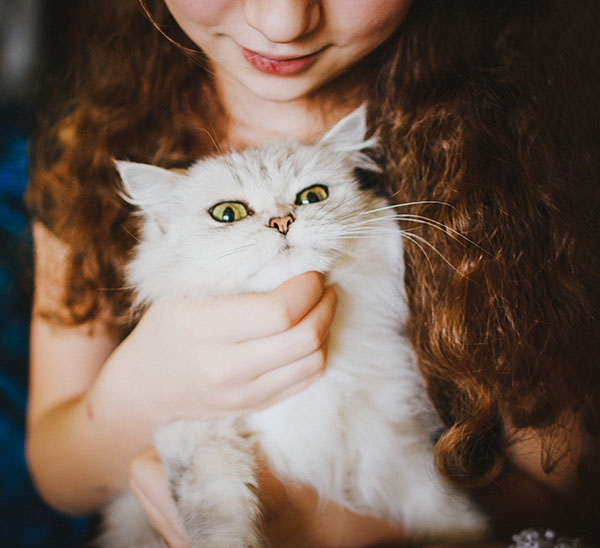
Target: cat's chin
[(285, 266)]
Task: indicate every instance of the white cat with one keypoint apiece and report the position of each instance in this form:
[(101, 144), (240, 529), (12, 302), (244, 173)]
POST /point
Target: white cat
[(362, 434)]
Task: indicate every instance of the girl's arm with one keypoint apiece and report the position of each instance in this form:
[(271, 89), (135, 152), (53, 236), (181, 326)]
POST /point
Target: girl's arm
[(548, 482), (95, 403), (67, 456)]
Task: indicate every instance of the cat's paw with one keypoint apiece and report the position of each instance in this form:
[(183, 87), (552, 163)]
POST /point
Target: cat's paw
[(211, 465)]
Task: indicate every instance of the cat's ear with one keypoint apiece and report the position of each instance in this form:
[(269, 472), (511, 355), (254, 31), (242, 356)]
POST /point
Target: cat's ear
[(349, 133), (149, 188)]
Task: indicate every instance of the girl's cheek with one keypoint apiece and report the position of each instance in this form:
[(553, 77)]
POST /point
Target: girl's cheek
[(202, 12)]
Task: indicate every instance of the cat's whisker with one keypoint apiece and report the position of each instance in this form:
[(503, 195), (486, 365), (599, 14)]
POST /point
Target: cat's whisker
[(223, 255), (369, 230), (351, 215), (409, 217), (415, 238), (410, 237), (366, 232), (361, 212), (233, 251), (405, 204), (439, 225), (328, 214), (346, 251), (115, 289), (360, 237), (134, 236), (429, 222)]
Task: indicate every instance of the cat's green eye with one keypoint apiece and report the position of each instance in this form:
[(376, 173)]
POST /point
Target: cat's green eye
[(312, 194), (228, 212)]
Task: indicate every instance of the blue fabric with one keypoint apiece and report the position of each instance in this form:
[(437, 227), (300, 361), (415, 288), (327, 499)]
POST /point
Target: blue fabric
[(25, 520)]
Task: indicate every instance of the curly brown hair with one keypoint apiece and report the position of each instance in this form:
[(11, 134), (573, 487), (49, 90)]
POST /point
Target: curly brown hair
[(493, 110), (488, 107)]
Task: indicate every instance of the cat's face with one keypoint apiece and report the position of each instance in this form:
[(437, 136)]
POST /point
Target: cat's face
[(246, 221)]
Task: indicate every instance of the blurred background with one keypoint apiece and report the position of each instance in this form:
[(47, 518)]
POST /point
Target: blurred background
[(32, 48)]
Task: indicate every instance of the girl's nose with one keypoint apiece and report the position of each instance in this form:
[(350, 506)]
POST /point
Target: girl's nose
[(284, 21)]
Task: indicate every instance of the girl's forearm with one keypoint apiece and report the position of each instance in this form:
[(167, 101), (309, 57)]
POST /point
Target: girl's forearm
[(72, 469), (80, 450)]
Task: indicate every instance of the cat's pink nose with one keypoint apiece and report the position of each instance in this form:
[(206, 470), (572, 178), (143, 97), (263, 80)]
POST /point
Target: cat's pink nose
[(282, 224)]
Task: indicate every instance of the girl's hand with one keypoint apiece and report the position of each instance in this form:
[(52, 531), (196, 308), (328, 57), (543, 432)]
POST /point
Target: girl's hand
[(150, 485), (229, 356)]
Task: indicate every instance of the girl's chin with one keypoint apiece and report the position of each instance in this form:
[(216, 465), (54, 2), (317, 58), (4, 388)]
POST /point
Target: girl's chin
[(279, 88), (280, 92)]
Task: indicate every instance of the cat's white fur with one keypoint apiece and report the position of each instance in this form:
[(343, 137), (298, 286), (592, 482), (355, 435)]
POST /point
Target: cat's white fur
[(362, 435)]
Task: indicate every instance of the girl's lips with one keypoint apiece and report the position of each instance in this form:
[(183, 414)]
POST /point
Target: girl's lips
[(292, 65)]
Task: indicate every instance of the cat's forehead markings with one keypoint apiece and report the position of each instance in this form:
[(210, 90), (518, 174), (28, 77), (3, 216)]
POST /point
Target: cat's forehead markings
[(262, 169), (251, 165), (235, 169), (236, 176), (281, 161)]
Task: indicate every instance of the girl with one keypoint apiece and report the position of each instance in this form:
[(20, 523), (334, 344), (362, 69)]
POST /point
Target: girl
[(488, 107)]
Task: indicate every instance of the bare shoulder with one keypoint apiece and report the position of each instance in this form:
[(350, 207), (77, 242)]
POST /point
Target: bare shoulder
[(51, 257)]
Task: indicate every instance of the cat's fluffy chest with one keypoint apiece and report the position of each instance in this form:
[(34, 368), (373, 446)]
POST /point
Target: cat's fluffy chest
[(370, 386)]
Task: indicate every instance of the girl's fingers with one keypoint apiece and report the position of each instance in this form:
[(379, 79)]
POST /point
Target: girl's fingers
[(212, 372), (296, 388), (150, 485), (252, 316), (281, 383), (303, 339)]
